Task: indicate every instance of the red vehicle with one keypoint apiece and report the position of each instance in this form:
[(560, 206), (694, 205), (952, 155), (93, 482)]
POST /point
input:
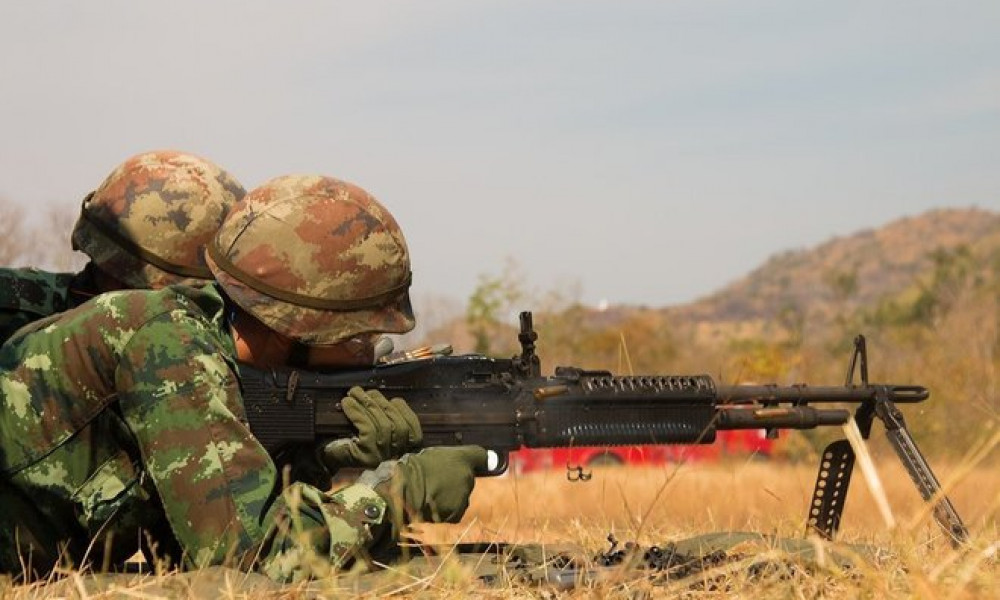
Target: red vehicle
[(729, 443)]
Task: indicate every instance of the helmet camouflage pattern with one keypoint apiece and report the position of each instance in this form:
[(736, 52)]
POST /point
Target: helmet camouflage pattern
[(316, 259), (148, 223)]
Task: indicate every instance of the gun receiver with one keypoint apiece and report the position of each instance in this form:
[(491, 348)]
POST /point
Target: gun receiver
[(476, 400), (506, 404)]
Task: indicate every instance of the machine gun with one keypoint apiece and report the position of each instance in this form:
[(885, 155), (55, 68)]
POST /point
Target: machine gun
[(506, 404)]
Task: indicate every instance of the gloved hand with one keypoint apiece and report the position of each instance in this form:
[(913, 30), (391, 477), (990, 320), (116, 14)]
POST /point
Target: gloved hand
[(432, 485), (387, 429)]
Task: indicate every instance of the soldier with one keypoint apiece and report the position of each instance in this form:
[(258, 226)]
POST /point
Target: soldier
[(122, 421), (145, 227)]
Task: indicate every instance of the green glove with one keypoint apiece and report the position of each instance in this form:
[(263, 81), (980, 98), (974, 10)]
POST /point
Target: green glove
[(433, 485), (387, 429)]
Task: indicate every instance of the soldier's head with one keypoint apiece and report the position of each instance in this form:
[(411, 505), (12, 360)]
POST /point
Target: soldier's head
[(147, 224), (316, 265)]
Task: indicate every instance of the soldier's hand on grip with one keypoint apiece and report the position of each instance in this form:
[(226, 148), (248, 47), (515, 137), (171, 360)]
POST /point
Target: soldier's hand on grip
[(387, 429), (432, 485)]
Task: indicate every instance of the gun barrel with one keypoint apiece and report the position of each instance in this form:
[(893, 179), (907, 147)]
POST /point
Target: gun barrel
[(803, 394)]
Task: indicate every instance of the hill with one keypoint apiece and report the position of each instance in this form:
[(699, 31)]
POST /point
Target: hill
[(910, 272), (850, 272)]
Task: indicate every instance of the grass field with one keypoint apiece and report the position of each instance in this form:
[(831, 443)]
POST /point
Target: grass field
[(654, 503), (654, 506)]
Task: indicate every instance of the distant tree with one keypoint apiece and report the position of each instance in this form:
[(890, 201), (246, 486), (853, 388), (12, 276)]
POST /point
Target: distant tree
[(493, 300), (435, 317), (953, 271), (57, 252), (756, 360), (793, 320), (46, 246), (843, 284), (14, 250), (953, 274)]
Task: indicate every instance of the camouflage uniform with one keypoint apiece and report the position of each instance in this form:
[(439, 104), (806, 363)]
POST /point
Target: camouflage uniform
[(28, 294), (124, 415), (122, 418), (146, 225)]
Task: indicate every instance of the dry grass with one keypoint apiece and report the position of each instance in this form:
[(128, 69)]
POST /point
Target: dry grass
[(654, 506), (657, 504)]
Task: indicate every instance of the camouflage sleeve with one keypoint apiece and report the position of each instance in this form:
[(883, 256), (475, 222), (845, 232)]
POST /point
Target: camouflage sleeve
[(28, 294), (218, 486), (11, 321), (313, 533)]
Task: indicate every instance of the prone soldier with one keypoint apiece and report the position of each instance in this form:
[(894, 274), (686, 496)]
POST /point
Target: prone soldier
[(122, 419)]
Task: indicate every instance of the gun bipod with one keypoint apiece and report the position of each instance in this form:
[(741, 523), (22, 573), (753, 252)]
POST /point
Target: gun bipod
[(837, 463)]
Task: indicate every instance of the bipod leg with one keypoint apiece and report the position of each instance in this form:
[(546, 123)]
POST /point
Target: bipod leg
[(830, 491), (834, 476), (837, 463), (920, 471)]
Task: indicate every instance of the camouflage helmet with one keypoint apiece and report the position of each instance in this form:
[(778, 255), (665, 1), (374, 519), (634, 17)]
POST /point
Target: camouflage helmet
[(148, 222), (316, 259)]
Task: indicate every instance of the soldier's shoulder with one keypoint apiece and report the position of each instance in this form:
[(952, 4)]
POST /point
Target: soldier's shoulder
[(144, 303), (33, 290), (172, 308)]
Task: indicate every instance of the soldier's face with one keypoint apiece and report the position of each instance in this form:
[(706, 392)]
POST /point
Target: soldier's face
[(265, 348), (258, 345), (355, 352)]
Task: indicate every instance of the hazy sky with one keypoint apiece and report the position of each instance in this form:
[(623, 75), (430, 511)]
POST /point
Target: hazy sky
[(649, 152)]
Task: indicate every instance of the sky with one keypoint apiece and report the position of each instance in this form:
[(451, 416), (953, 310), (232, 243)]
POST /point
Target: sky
[(643, 153)]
